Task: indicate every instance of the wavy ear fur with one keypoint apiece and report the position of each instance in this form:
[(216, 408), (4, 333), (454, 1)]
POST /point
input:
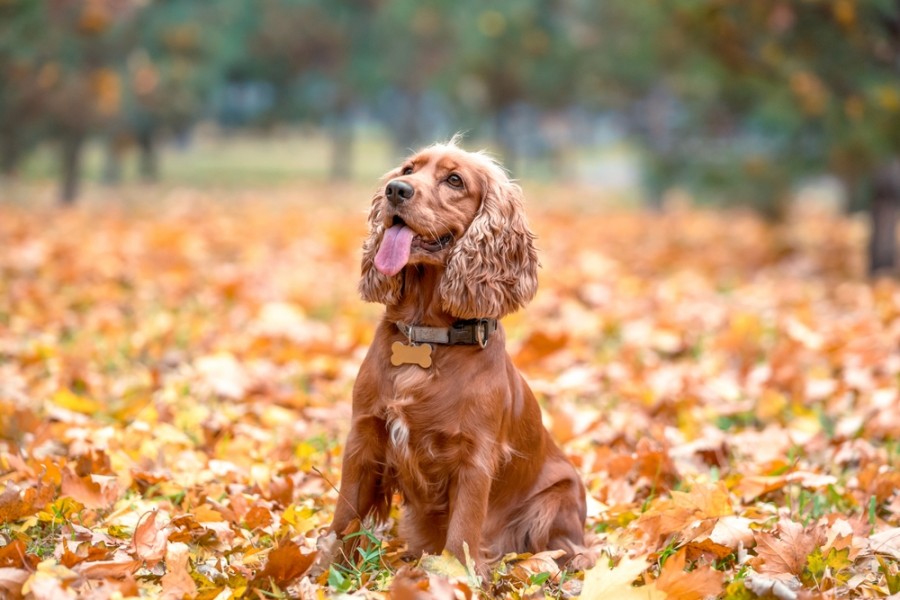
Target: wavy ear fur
[(492, 269), (373, 285)]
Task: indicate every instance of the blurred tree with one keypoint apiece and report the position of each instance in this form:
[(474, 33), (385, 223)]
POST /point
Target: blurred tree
[(176, 52), (819, 81), (515, 54), (414, 41), (21, 83), (60, 58)]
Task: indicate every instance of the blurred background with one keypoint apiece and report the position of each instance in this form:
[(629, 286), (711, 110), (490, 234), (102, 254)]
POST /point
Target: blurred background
[(733, 102)]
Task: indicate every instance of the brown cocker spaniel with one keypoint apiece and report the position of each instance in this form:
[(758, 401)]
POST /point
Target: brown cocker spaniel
[(440, 414)]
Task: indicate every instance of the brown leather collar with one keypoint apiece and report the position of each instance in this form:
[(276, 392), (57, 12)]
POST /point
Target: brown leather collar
[(467, 332)]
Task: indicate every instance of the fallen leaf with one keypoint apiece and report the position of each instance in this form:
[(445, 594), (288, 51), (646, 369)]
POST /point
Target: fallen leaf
[(603, 582), (87, 491), (541, 562), (103, 569), (285, 564), (678, 584), (784, 552), (177, 582), (11, 581), (150, 538)]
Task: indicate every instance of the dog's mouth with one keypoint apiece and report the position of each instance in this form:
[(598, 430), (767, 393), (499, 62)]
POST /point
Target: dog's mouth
[(397, 243), (429, 245)]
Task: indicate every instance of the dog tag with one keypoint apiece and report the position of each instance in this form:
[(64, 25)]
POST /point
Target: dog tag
[(402, 354)]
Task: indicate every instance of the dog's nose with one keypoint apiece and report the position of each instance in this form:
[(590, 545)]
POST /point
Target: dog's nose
[(398, 192)]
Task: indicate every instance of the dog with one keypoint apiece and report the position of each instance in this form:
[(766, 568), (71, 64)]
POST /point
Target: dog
[(440, 413)]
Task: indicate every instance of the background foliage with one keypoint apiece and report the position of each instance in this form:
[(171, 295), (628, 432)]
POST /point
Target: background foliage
[(737, 100)]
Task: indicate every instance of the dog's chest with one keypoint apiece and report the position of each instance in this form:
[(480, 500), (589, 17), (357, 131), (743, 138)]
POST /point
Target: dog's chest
[(426, 442)]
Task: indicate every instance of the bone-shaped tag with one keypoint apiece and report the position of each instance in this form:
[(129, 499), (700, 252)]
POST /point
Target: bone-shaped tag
[(420, 354)]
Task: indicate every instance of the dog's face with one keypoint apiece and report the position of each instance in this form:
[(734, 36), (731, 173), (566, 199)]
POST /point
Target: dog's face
[(427, 204), (456, 210)]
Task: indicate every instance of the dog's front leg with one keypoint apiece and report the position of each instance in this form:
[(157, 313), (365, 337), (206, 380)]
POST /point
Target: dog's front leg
[(362, 489), (468, 508)]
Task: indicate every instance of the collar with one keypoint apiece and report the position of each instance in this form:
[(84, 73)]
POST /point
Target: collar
[(469, 332)]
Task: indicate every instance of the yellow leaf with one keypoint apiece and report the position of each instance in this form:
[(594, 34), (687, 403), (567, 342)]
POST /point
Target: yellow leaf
[(300, 518), (603, 582), (76, 403), (60, 510), (444, 564)]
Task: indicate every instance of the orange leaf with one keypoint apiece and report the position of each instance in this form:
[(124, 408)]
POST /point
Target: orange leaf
[(17, 503), (87, 491), (103, 569), (678, 584), (177, 582), (286, 563), (150, 538), (785, 551), (258, 516), (14, 555)]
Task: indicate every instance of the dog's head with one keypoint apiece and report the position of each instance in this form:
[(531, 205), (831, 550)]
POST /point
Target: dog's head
[(457, 211)]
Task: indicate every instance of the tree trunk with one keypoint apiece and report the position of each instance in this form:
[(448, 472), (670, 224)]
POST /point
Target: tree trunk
[(342, 146), (885, 211), (70, 171), (112, 162), (149, 156), (10, 152)]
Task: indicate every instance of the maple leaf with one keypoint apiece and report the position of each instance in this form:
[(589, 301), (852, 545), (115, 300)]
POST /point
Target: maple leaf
[(678, 584), (150, 538), (285, 564), (603, 582), (418, 584), (704, 501), (102, 569), (785, 551), (88, 491), (177, 582), (524, 566), (16, 502)]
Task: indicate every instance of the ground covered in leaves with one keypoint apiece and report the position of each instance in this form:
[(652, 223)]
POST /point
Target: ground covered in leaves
[(176, 367)]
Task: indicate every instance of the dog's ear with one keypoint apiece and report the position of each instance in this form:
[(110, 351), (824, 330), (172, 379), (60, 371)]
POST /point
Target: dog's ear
[(375, 286), (492, 269)]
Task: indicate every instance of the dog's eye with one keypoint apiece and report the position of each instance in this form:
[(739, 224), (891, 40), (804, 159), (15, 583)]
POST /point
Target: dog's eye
[(455, 180), (406, 171)]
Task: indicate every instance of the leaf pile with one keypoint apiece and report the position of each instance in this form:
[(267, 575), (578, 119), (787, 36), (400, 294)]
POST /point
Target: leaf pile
[(175, 376)]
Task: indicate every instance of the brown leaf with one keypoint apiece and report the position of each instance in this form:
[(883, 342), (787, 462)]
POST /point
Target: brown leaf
[(684, 508), (678, 584), (753, 486), (103, 569), (150, 538), (785, 551), (17, 503), (85, 553), (14, 555), (177, 582), (542, 562), (539, 345), (257, 517), (286, 563), (417, 584), (11, 582), (87, 491)]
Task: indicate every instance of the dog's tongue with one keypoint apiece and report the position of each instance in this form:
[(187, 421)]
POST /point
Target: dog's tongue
[(394, 250)]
